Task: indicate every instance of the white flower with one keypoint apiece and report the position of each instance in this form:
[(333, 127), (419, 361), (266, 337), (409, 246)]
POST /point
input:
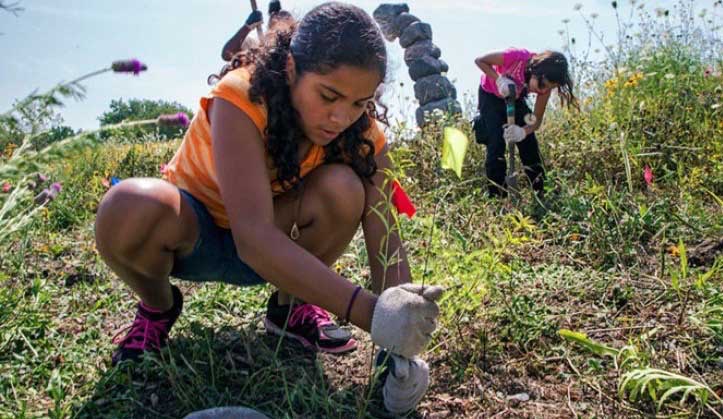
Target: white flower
[(577, 7), (594, 15), (565, 21), (670, 76)]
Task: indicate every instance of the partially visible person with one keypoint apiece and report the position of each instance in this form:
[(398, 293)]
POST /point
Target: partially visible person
[(529, 72), (279, 20)]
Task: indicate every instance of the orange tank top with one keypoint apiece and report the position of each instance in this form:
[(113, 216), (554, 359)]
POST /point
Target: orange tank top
[(192, 167)]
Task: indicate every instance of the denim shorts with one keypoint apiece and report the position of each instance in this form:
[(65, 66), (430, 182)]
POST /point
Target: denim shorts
[(214, 257)]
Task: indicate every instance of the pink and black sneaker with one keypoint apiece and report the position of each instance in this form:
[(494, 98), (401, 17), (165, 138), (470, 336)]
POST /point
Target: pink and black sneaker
[(149, 330), (310, 325)]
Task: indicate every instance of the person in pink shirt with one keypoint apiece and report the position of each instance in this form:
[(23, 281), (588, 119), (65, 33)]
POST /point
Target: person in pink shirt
[(529, 72)]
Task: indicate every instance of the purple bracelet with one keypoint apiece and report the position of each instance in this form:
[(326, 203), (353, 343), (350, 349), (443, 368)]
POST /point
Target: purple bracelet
[(351, 303)]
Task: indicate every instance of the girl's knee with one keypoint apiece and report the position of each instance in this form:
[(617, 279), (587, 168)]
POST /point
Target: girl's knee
[(342, 191), (128, 213)]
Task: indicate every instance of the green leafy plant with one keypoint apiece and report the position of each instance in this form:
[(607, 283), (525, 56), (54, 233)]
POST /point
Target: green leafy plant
[(661, 385)]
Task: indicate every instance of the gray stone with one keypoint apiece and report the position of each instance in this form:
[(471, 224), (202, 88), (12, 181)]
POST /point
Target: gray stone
[(445, 67), (417, 31), (520, 397), (227, 413), (419, 49), (432, 110), (385, 16), (434, 87), (403, 20), (425, 66)]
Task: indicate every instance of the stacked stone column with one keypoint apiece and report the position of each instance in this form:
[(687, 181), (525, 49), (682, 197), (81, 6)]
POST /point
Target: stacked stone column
[(432, 89)]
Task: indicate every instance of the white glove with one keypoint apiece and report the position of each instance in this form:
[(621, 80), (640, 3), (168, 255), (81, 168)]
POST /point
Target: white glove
[(514, 134), (503, 85), (405, 317), (405, 384)]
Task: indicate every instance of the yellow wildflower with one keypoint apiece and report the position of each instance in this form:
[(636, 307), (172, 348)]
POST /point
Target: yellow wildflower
[(673, 250), (9, 149)]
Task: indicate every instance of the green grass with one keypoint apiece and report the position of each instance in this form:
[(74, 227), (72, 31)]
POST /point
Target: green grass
[(515, 280)]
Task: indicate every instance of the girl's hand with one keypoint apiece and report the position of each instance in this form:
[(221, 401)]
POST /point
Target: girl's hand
[(406, 383), (405, 317), (514, 134), (503, 85), (254, 20)]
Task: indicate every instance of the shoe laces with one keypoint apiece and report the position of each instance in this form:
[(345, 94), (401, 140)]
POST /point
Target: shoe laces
[(309, 313), (143, 333)]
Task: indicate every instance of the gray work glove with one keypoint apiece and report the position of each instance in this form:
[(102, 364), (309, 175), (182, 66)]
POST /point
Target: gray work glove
[(405, 384), (503, 85), (514, 134), (405, 317)]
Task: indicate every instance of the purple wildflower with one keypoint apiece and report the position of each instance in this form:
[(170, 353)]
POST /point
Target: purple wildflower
[(49, 194), (179, 119), (129, 66)]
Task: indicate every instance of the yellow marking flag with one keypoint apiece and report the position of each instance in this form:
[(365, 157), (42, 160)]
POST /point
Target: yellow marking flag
[(454, 147)]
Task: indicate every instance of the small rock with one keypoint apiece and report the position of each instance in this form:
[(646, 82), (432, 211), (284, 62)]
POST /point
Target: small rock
[(425, 66), (431, 88), (419, 49), (520, 397), (385, 16), (417, 31), (403, 20), (444, 67), (227, 413), (154, 400)]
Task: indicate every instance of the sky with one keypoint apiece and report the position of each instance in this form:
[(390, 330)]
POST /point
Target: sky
[(58, 40)]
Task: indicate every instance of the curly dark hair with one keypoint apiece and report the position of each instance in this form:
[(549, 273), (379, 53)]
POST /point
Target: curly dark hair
[(329, 36)]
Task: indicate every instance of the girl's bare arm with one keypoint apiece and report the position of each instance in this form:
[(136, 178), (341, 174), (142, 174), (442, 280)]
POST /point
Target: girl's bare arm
[(378, 240), (239, 154), (486, 62)]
